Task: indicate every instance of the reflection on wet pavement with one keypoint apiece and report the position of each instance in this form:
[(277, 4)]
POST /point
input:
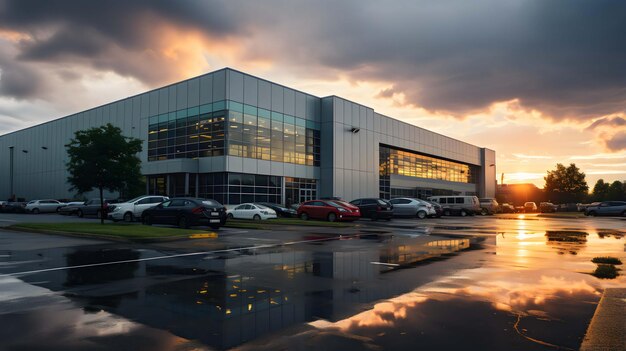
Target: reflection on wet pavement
[(518, 285)]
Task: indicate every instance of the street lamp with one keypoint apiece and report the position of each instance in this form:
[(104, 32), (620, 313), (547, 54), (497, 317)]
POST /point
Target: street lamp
[(11, 195)]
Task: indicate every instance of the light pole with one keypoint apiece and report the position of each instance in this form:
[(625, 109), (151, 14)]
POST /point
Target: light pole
[(11, 195)]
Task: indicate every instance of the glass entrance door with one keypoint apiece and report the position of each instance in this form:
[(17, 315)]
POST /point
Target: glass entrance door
[(306, 195)]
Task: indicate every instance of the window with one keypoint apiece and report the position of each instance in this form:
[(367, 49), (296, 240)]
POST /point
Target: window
[(369, 202), (356, 202), (144, 201), (166, 204), (400, 201), (459, 200), (178, 203)]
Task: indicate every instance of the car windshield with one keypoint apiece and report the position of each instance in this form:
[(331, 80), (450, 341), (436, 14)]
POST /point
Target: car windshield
[(135, 199), (382, 202), (263, 207)]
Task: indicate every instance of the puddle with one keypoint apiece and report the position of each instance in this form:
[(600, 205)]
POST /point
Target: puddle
[(518, 285)]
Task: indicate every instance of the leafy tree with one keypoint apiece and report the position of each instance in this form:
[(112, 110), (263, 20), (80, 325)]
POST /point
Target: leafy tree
[(566, 184), (103, 158), (616, 191), (600, 190)]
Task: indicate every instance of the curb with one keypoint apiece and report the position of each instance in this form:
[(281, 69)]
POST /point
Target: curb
[(608, 325)]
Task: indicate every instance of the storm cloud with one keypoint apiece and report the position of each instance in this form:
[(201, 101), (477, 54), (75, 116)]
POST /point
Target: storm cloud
[(562, 58)]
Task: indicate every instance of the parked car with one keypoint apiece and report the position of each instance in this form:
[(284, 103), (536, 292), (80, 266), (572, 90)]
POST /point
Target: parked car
[(14, 207), (71, 208), (133, 209), (374, 208), (458, 205), (489, 206), (547, 207), (507, 208), (186, 212), (406, 206), (438, 209), (530, 207), (329, 210), (41, 206), (606, 208), (256, 212), (92, 207), (280, 210), (2, 205)]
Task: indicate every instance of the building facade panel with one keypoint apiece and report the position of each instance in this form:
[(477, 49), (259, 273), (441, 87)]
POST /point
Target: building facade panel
[(203, 133)]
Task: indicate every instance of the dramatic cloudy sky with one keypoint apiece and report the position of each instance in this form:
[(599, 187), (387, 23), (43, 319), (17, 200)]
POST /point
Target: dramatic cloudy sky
[(539, 81)]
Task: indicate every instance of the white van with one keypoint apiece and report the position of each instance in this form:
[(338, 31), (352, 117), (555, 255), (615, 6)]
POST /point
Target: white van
[(458, 205)]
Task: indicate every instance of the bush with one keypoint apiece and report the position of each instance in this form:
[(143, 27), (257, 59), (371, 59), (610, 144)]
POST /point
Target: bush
[(605, 271), (606, 260)]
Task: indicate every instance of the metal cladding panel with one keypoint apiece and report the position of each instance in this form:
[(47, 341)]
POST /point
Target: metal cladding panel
[(171, 98), (234, 86), (181, 95), (193, 92), (163, 100), (265, 95), (206, 89), (264, 167), (289, 101), (250, 90), (219, 85), (300, 105), (277, 98), (145, 105), (249, 165)]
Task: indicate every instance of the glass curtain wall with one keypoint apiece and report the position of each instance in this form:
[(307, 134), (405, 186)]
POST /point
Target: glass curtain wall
[(394, 161)]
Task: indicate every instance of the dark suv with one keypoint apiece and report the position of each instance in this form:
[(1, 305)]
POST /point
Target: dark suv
[(374, 208), (186, 212)]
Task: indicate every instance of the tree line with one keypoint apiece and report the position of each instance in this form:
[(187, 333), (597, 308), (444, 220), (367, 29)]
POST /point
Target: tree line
[(568, 185)]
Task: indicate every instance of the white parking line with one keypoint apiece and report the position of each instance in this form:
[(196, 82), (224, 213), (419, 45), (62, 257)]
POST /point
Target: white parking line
[(174, 256)]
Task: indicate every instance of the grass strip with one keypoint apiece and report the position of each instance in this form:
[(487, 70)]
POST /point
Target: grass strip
[(116, 230)]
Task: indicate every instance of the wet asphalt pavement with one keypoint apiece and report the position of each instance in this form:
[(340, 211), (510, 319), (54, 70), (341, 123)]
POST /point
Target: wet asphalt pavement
[(482, 283)]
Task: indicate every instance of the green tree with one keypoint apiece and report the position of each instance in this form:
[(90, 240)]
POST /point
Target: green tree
[(616, 191), (566, 184), (103, 158), (600, 190)]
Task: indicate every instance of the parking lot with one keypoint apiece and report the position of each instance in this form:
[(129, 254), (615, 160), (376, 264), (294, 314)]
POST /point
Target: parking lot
[(499, 282)]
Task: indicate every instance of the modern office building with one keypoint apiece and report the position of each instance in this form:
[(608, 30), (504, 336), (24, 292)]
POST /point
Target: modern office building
[(237, 138)]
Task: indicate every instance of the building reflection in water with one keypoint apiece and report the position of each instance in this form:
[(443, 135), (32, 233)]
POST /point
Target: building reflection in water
[(228, 300), (566, 241)]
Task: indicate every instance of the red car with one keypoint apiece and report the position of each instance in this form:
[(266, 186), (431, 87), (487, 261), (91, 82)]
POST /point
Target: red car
[(329, 210)]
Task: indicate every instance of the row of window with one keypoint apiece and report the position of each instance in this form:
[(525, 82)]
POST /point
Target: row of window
[(234, 188), (231, 128), (394, 161)]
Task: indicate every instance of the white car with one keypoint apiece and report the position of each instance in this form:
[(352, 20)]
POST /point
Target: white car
[(133, 209), (251, 211), (405, 206), (40, 206)]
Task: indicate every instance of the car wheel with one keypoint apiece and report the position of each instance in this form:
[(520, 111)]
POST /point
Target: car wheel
[(447, 213), (230, 216), (183, 222), (421, 214), (147, 220), (128, 217), (35, 210), (624, 213), (332, 217), (483, 212), (304, 217), (256, 217), (80, 213), (58, 209), (592, 213), (388, 219), (374, 217), (99, 214), (463, 213)]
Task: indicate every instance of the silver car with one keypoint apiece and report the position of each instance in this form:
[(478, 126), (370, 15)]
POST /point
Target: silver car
[(606, 208), (40, 206), (406, 206)]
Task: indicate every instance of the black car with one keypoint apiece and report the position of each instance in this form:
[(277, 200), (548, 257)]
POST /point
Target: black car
[(14, 207), (374, 208), (186, 212), (71, 208), (280, 210)]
